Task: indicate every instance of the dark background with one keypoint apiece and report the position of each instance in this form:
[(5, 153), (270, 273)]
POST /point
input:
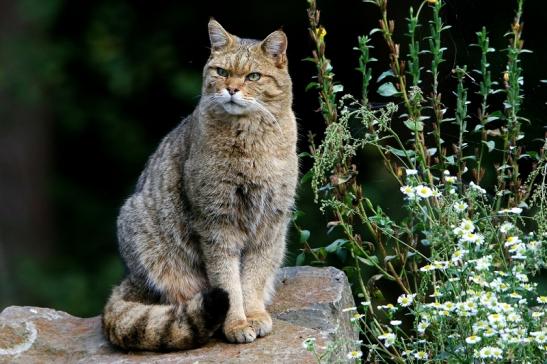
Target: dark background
[(88, 89)]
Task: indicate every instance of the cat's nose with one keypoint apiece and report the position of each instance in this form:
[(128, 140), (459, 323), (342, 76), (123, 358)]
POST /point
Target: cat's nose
[(232, 90)]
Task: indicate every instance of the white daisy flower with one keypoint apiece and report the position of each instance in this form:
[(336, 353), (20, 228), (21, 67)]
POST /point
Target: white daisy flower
[(512, 240), (423, 191), (389, 339), (354, 355), (476, 188), (490, 352), (407, 191), (460, 206), (458, 255), (422, 326), (406, 300), (427, 268), (506, 227), (473, 339), (356, 317), (421, 355)]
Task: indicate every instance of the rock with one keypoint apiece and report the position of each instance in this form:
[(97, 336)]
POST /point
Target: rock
[(308, 303)]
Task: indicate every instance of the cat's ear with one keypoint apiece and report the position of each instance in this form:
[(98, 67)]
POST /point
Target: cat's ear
[(218, 36), (275, 46)]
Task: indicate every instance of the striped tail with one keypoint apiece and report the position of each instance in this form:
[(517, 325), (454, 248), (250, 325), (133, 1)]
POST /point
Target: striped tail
[(134, 325)]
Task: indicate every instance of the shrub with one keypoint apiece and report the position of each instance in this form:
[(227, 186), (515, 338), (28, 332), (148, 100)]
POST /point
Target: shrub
[(475, 229)]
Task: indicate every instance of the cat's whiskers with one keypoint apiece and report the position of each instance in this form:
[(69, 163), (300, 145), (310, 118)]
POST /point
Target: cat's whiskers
[(265, 112)]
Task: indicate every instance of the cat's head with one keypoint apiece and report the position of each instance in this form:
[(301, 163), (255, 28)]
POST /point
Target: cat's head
[(244, 76)]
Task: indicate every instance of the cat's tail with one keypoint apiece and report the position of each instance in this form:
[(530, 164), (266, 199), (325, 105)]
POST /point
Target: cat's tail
[(134, 325)]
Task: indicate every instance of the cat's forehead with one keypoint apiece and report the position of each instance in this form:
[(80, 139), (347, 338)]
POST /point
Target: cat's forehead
[(244, 56)]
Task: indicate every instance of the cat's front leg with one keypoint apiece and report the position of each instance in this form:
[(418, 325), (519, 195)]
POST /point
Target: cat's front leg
[(222, 251), (260, 262)]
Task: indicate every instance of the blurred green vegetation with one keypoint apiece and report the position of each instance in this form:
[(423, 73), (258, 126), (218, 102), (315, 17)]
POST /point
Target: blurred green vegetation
[(103, 81)]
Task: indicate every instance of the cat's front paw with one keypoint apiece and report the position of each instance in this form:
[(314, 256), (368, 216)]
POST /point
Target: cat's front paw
[(239, 331), (261, 322)]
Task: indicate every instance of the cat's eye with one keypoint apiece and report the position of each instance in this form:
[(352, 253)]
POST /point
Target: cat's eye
[(254, 76), (222, 72)]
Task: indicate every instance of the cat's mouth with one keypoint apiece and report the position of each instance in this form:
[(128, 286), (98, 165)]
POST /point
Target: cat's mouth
[(234, 106)]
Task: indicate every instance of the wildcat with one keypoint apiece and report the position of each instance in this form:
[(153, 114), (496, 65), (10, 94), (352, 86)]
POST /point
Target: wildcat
[(204, 232)]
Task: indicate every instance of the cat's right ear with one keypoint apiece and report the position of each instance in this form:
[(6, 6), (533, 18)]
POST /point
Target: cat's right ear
[(218, 36)]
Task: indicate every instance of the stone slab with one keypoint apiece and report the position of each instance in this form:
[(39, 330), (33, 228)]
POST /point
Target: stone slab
[(308, 303)]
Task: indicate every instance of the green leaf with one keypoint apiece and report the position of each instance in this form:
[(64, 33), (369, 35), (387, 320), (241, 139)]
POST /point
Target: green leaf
[(371, 261), (451, 160), (400, 152), (337, 88), (490, 144), (385, 74), (414, 125), (375, 30), (311, 85), (342, 254), (305, 178), (389, 257), (300, 258), (335, 245), (387, 90), (304, 235)]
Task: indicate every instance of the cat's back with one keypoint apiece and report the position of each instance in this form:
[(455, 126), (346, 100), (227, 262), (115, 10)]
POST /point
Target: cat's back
[(165, 164)]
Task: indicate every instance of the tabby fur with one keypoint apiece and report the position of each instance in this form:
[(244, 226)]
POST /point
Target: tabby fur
[(204, 232)]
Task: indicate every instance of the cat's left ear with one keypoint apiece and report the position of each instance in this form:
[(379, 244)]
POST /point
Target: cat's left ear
[(275, 46)]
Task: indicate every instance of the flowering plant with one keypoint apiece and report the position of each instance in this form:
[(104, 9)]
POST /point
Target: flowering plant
[(474, 233)]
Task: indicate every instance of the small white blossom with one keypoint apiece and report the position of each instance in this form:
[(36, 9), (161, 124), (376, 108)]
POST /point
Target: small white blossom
[(506, 227), (423, 191), (460, 206), (458, 255), (356, 317), (408, 191), (406, 300), (427, 268), (469, 237), (516, 210), (490, 352), (411, 172), (477, 188), (539, 336), (473, 339), (395, 322), (534, 245), (422, 326), (389, 339), (512, 240), (388, 307), (421, 355), (466, 226), (354, 355), (483, 263)]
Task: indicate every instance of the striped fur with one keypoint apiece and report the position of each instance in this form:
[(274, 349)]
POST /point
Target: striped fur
[(211, 208)]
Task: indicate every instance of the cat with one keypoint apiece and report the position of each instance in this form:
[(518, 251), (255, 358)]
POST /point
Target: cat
[(205, 231)]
